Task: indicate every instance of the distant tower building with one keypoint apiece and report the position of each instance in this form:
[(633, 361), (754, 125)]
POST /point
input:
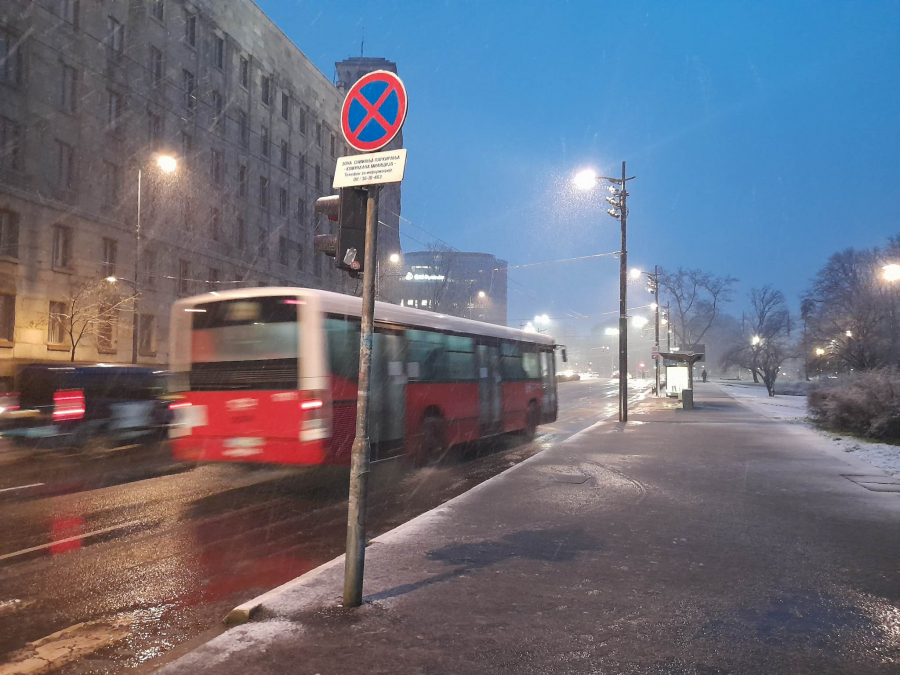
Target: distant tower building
[(347, 72)]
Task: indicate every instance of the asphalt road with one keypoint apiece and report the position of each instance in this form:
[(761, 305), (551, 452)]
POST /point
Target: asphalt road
[(151, 554)]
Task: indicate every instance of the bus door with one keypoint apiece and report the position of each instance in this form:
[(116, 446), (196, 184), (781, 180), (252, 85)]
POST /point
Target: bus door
[(548, 379), (490, 393), (387, 394)]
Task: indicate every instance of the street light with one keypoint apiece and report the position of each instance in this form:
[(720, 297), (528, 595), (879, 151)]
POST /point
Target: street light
[(394, 258), (588, 180), (166, 164), (820, 351), (755, 340), (639, 321), (482, 295), (891, 272), (635, 273), (612, 331)]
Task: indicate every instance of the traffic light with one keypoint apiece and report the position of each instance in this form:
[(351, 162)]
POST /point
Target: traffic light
[(348, 246)]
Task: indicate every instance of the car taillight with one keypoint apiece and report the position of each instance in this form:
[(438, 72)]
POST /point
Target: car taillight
[(68, 404)]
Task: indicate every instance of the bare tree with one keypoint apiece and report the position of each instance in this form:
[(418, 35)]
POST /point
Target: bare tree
[(764, 344), (442, 269), (848, 314), (697, 297), (92, 309)]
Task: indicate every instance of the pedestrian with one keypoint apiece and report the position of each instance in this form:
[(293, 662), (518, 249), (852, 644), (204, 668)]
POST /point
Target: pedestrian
[(703, 374)]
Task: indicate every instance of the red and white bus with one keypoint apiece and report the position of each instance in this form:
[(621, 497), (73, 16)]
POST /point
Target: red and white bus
[(270, 375)]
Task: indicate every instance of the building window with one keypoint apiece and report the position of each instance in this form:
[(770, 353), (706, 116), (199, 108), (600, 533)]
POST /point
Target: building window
[(188, 208), (10, 144), (70, 10), (10, 58), (65, 165), (242, 181), (214, 278), (188, 86), (158, 9), (243, 128), (69, 101), (62, 246), (111, 184), (301, 121), (333, 146), (183, 282), (245, 73), (319, 134), (263, 243), (241, 234), (114, 37), (285, 155), (282, 202), (218, 109), (317, 265), (56, 328), (110, 253), (301, 171), (216, 166), (9, 234), (318, 177), (146, 334), (7, 317), (299, 257), (154, 127), (266, 89), (215, 224), (285, 105), (283, 251), (113, 109), (264, 140), (106, 330), (190, 28), (149, 261), (264, 193), (220, 52), (156, 66), (301, 209), (187, 147)]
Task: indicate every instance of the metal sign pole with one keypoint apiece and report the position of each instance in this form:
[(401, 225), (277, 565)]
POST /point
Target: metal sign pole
[(355, 558)]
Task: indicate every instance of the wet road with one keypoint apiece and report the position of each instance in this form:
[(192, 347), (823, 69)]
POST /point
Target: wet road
[(149, 555)]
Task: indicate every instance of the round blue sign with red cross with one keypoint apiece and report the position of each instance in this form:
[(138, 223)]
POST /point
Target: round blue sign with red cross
[(374, 111)]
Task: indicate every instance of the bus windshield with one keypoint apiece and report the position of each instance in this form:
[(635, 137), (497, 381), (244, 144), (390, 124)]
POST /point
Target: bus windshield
[(246, 343)]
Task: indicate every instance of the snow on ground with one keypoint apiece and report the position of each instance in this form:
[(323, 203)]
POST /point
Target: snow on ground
[(793, 409)]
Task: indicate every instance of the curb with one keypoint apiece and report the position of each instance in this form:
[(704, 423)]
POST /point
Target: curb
[(245, 612)]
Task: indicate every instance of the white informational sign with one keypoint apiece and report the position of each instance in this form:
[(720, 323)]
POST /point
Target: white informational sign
[(676, 379), (375, 168)]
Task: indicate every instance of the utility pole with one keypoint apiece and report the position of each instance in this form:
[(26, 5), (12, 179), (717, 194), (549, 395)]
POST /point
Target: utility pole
[(623, 305), (656, 302), (668, 328), (361, 451)]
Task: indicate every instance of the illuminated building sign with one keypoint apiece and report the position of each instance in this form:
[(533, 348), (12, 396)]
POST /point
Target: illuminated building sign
[(424, 277)]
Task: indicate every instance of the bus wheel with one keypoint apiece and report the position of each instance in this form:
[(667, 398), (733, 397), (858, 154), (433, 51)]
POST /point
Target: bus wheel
[(532, 417), (431, 447)]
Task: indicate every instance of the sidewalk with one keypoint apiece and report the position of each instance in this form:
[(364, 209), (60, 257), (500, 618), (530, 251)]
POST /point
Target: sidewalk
[(705, 541)]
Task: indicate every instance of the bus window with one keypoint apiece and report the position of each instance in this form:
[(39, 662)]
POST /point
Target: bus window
[(531, 366), (342, 336), (441, 358), (511, 362)]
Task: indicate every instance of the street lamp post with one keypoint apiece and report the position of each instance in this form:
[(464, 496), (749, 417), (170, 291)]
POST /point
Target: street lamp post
[(653, 278), (586, 180), (166, 164), (892, 276)]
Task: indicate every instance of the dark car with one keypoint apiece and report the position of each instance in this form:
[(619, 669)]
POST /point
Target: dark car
[(70, 406)]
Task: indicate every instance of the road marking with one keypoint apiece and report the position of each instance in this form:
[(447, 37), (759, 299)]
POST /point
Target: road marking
[(6, 556), (21, 487)]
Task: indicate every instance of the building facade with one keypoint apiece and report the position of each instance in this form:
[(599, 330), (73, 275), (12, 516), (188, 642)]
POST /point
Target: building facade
[(92, 94), (470, 285)]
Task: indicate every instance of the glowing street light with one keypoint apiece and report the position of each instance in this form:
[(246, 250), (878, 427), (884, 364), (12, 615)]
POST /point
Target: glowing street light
[(111, 280), (639, 321), (635, 273), (585, 180), (755, 340), (820, 351), (848, 333), (529, 328), (891, 272), (167, 163), (394, 258), (653, 306), (612, 331), (482, 295)]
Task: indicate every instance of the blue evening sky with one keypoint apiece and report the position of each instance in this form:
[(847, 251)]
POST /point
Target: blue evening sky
[(764, 136)]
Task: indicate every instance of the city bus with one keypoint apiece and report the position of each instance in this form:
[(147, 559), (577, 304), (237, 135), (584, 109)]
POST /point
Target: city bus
[(270, 375)]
